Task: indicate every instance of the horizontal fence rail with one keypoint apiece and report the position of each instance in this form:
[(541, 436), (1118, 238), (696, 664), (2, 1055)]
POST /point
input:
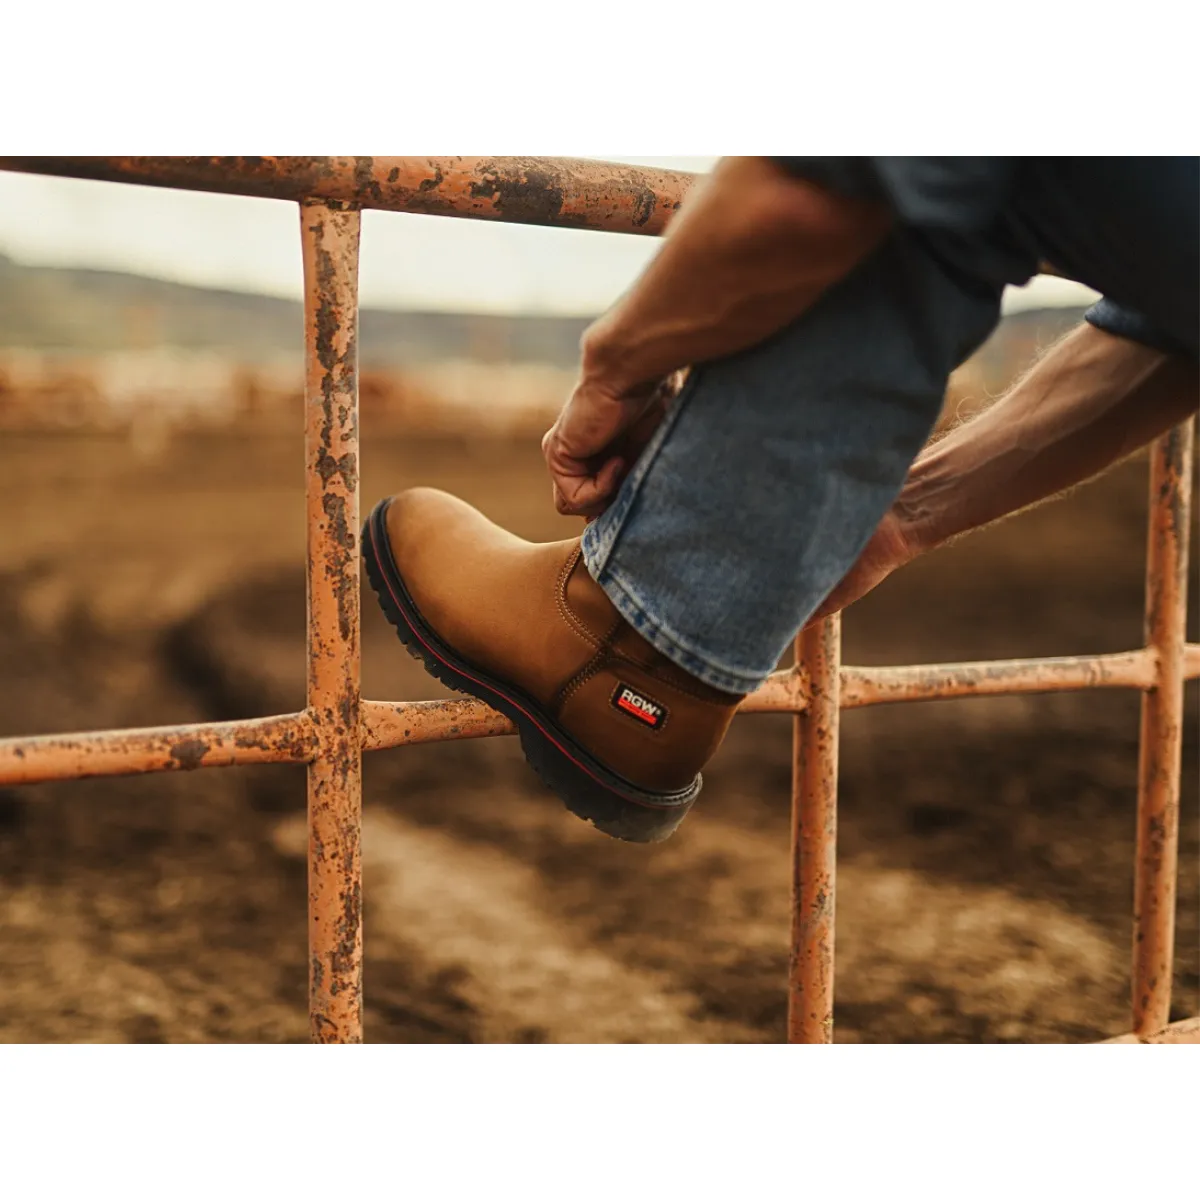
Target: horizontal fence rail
[(337, 725), (170, 748), (390, 723), (572, 193)]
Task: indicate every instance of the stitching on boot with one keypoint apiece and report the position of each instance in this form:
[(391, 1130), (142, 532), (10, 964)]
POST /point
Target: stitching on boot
[(605, 651), (564, 609), (592, 667), (589, 670)]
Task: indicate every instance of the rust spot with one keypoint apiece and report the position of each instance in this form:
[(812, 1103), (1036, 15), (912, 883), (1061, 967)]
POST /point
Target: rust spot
[(531, 197), (327, 327), (189, 754), (644, 204), (346, 466), (340, 531), (366, 186)]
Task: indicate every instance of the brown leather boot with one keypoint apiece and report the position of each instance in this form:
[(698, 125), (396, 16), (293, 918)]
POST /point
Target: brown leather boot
[(616, 729)]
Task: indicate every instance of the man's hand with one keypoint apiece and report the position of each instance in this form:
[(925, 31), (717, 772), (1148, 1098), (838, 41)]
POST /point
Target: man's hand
[(597, 438), (887, 551)]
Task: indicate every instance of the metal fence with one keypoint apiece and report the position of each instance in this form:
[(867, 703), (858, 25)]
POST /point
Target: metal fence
[(337, 725)]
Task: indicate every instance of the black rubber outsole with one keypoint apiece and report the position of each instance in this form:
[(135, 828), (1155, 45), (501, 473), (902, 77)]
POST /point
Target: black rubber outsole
[(585, 785)]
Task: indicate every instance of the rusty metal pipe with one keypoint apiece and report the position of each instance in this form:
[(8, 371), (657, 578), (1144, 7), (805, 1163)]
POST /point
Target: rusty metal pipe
[(814, 837), (330, 241), (575, 193), (414, 722), (863, 686), (788, 691), (387, 724), (405, 723), (1161, 739), (284, 739), (783, 691)]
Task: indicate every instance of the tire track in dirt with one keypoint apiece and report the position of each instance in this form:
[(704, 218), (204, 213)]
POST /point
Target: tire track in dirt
[(532, 968), (475, 909), (924, 957), (938, 955)]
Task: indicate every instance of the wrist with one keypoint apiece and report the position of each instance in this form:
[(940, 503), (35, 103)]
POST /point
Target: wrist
[(607, 368), (618, 358), (918, 520), (898, 539), (603, 360)]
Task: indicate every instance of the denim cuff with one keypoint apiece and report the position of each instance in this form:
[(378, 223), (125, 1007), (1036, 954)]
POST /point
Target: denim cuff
[(639, 612)]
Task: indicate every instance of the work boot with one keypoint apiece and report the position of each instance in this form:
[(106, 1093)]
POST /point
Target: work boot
[(616, 729)]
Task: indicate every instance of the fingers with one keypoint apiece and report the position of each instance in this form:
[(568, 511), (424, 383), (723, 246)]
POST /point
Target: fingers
[(588, 495), (582, 490), (590, 446), (583, 486)]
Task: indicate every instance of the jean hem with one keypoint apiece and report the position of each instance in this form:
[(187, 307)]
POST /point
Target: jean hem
[(695, 661)]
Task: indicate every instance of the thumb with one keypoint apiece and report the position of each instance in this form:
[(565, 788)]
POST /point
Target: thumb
[(588, 495)]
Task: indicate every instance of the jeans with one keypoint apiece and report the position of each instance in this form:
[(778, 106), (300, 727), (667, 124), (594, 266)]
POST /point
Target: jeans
[(773, 467)]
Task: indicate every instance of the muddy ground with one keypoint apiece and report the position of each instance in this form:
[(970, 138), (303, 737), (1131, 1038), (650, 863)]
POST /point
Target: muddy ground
[(986, 845)]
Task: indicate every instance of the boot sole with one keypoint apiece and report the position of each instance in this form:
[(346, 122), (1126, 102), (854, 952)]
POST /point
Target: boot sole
[(585, 785)]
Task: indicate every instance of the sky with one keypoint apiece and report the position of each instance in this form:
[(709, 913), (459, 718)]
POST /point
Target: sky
[(408, 262)]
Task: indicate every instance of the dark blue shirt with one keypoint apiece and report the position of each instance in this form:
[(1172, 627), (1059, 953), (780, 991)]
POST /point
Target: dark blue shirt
[(1127, 227)]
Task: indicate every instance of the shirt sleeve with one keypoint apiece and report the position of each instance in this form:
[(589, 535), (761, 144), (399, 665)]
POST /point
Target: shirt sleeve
[(959, 194), (1125, 322)]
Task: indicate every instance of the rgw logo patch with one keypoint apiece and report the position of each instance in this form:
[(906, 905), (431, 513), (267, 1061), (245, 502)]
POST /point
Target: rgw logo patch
[(640, 707)]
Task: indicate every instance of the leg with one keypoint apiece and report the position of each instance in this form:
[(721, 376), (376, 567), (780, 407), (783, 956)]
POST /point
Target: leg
[(775, 466)]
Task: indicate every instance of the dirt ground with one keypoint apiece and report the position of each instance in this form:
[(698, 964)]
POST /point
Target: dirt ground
[(986, 845)]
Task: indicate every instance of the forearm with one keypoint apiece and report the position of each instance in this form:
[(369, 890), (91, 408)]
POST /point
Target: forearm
[(751, 249), (1092, 401)]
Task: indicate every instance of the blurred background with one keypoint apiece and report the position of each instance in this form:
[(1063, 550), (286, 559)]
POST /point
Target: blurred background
[(151, 572)]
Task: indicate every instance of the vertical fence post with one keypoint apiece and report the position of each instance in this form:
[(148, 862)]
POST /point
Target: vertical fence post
[(814, 836), (1156, 863), (329, 238)]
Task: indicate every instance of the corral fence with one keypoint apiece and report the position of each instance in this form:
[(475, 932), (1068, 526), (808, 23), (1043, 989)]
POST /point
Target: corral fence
[(337, 725)]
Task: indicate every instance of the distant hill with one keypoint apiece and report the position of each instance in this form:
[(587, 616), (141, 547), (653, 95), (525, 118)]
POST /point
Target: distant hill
[(79, 310), (76, 309)]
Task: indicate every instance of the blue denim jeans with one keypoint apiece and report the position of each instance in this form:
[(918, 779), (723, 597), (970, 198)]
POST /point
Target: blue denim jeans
[(773, 467)]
